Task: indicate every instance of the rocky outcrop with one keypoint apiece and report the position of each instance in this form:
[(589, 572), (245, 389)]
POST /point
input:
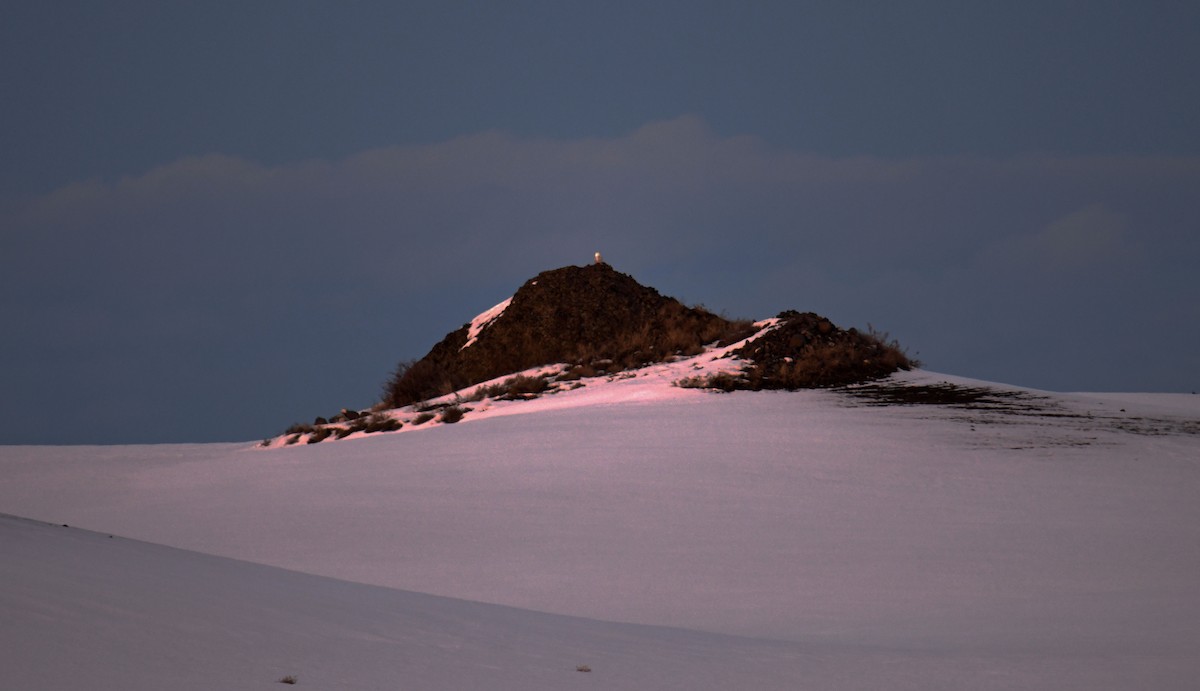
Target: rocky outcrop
[(599, 319), (591, 315), (807, 350)]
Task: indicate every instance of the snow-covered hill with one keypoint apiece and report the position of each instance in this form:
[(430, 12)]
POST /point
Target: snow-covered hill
[(814, 539), (84, 609)]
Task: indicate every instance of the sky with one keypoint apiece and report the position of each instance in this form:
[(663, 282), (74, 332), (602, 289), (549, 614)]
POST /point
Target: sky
[(217, 219)]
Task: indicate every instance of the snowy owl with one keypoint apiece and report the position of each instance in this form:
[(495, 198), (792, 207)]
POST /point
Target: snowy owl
[(598, 259)]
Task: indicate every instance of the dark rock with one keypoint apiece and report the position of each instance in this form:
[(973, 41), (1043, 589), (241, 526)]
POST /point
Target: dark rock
[(602, 321), (579, 315), (807, 350)]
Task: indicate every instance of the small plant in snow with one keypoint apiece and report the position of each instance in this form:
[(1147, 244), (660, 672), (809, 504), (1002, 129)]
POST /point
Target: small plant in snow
[(379, 422), (452, 414), (721, 381), (319, 435)]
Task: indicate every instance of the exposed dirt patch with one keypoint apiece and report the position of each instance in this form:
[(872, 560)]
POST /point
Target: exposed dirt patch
[(1036, 421), (946, 394), (1155, 427)]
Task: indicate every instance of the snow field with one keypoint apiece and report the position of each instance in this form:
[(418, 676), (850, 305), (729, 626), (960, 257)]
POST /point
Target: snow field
[(897, 547)]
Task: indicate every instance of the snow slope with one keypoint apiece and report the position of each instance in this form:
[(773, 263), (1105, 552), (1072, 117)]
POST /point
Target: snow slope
[(483, 320), (83, 609), (794, 539)]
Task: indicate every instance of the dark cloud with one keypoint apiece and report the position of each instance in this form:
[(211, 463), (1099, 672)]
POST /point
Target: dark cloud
[(111, 88), (216, 298)]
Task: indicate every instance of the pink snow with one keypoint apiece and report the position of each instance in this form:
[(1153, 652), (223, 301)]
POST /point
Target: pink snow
[(482, 321), (763, 540)]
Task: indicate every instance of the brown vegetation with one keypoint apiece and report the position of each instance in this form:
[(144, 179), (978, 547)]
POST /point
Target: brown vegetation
[(592, 317), (808, 351), (599, 322)]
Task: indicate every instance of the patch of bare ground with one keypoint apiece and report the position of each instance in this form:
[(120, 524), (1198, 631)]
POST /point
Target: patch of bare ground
[(1044, 421)]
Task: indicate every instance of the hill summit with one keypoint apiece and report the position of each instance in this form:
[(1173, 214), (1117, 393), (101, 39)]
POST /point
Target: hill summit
[(597, 320)]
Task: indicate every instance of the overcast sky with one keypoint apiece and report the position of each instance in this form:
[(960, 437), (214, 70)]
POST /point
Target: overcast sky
[(217, 219)]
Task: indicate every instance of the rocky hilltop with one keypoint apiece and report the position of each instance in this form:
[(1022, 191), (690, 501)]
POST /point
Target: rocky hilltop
[(599, 320), (591, 316), (578, 323)]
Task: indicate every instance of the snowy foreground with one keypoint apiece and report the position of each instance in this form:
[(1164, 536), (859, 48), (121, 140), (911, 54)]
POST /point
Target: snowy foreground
[(663, 537)]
